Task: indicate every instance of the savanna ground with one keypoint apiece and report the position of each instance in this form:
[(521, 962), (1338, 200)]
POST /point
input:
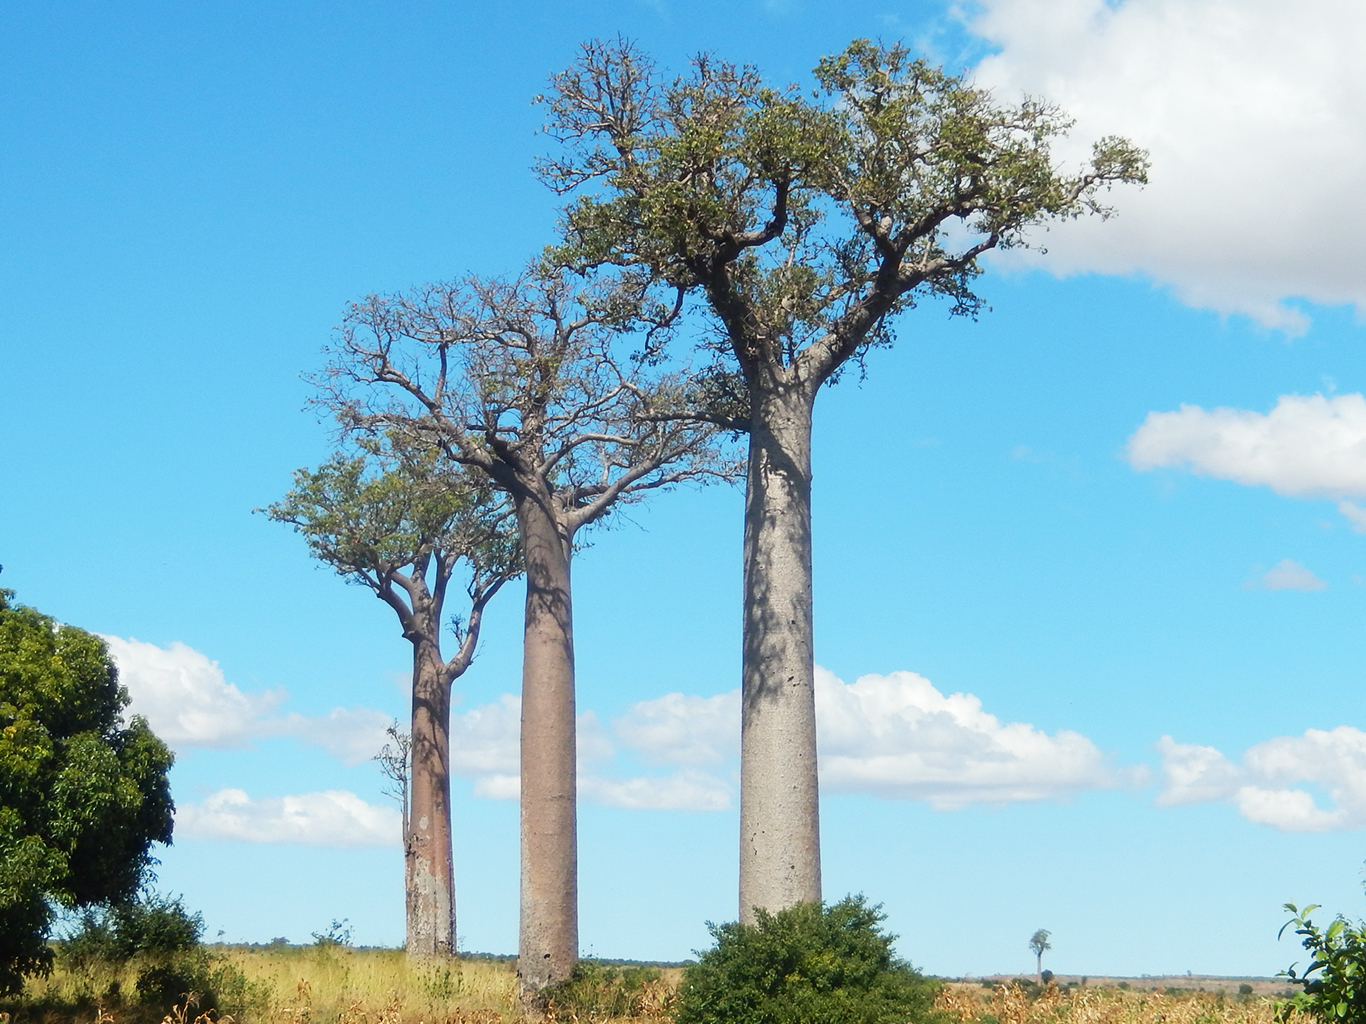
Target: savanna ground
[(281, 984)]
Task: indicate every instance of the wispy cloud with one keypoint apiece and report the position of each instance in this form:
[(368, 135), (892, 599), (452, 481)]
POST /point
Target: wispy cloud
[(1264, 787), (331, 818), (1287, 575)]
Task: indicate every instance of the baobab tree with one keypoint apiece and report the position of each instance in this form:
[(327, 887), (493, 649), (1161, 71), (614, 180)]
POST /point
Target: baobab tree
[(805, 224), (554, 389), (1038, 944), (397, 520)]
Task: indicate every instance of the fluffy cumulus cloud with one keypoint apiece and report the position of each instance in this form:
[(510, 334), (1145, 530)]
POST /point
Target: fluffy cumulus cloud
[(1268, 787), (331, 818), (898, 736), (183, 695), (893, 736), (1251, 112), (1308, 446)]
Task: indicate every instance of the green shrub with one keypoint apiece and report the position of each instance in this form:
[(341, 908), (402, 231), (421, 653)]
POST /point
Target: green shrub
[(160, 939), (1337, 993), (598, 991), (807, 963)]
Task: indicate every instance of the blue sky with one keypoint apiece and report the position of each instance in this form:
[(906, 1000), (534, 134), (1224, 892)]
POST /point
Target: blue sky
[(1042, 512)]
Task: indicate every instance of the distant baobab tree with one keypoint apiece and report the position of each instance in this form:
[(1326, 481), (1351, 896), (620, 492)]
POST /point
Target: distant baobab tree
[(400, 520), (1038, 942)]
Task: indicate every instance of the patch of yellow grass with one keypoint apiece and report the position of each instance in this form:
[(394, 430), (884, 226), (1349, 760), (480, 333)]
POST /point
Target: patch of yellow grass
[(965, 1004), (373, 986)]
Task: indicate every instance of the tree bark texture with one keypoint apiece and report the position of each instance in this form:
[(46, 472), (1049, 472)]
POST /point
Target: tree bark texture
[(548, 946), (431, 873), (780, 860)]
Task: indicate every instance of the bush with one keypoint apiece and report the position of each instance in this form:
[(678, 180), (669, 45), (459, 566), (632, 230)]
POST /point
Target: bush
[(160, 939), (597, 991), (1338, 957), (807, 963)]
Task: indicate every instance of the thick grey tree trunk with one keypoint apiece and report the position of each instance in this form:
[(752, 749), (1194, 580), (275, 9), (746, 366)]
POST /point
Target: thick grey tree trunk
[(431, 874), (780, 857), (549, 938)]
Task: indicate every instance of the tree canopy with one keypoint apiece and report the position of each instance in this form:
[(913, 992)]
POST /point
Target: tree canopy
[(83, 794)]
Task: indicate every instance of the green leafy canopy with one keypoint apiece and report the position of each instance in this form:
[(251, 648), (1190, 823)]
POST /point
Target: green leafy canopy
[(809, 962), (807, 220), (83, 794)]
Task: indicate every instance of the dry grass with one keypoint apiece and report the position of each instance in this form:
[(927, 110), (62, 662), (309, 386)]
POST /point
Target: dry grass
[(337, 985), (294, 985), (373, 986), (971, 1004)]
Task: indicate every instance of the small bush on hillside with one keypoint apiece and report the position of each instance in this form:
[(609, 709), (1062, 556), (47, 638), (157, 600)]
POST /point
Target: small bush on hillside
[(807, 963), (1337, 993)]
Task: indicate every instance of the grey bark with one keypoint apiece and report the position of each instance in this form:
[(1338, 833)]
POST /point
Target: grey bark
[(548, 946), (431, 873), (779, 807)]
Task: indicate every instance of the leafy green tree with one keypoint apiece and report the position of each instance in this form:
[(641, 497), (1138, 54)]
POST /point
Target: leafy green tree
[(83, 794), (1334, 982), (808, 962), (399, 521), (805, 224)]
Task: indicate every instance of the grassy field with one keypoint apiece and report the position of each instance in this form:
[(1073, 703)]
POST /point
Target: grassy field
[(340, 985)]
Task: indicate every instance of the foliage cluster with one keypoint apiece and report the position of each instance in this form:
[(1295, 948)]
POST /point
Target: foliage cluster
[(809, 962), (1334, 982), (83, 794), (158, 941)]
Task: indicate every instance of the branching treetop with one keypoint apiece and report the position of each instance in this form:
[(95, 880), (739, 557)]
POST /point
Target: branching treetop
[(807, 220), (393, 519), (530, 380)]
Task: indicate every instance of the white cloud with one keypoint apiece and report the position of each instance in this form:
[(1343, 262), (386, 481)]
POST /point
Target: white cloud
[(893, 736), (681, 791), (683, 729), (184, 697), (898, 736), (1289, 575), (351, 735), (189, 703), (1251, 112), (1263, 789), (331, 818), (1308, 446)]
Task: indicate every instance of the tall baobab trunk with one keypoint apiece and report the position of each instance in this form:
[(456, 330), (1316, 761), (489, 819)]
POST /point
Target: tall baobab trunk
[(549, 942), (431, 874), (780, 859)]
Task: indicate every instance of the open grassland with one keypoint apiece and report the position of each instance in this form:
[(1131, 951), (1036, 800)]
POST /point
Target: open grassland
[(964, 1003), (339, 985)]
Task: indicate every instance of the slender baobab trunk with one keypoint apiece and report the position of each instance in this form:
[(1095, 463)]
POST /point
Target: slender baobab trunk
[(549, 939), (431, 875), (780, 857)]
